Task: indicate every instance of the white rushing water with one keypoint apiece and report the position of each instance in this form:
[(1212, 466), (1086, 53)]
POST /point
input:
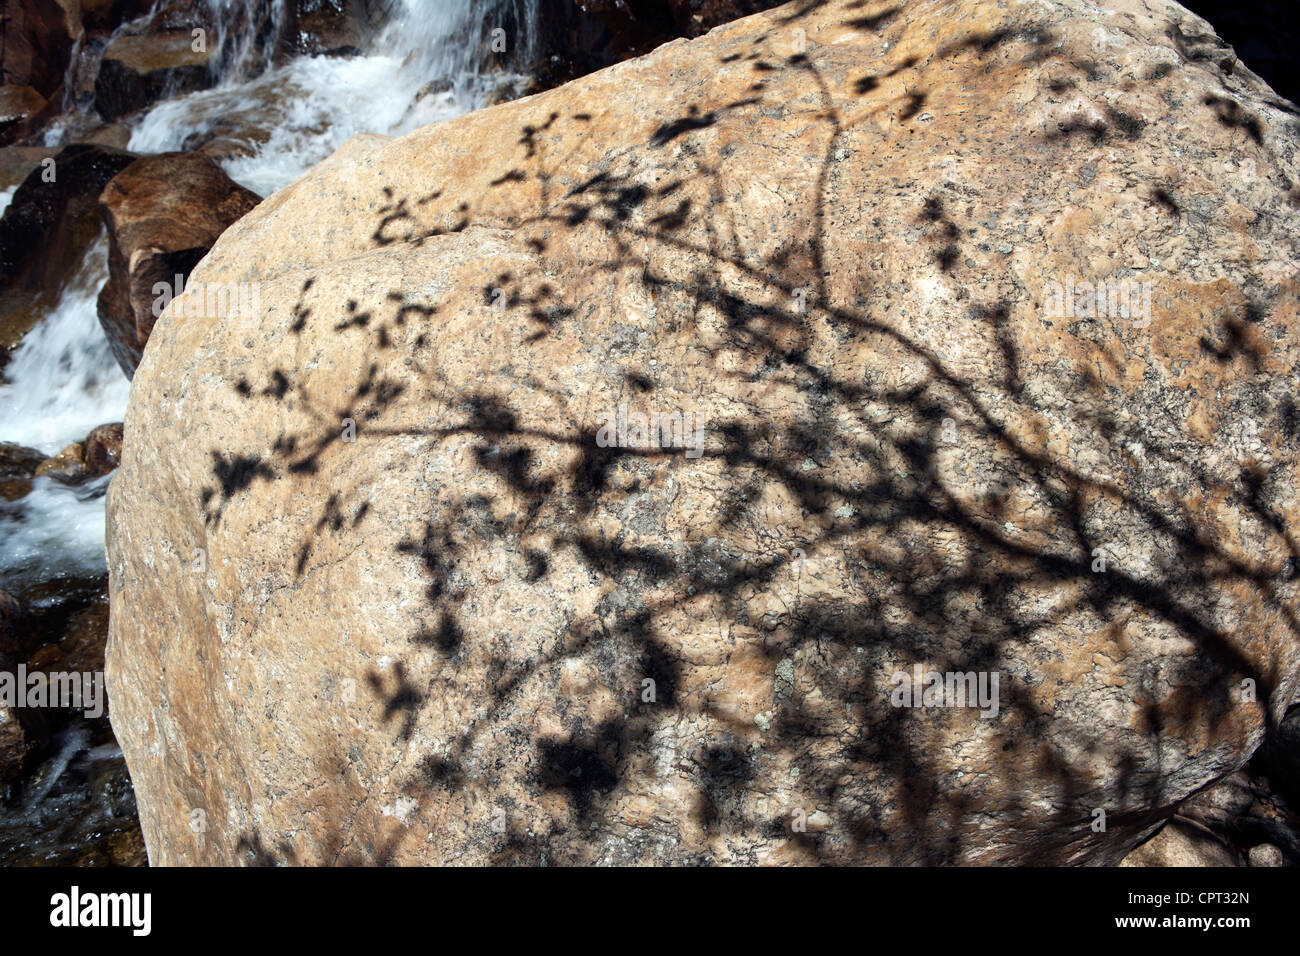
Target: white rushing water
[(54, 532), (62, 380), (428, 63)]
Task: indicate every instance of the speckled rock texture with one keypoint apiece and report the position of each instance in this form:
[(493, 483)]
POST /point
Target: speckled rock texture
[(385, 588)]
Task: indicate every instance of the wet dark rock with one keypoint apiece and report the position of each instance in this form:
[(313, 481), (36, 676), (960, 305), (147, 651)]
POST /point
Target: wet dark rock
[(95, 456), (1245, 809), (74, 806), (18, 466), (228, 137), (18, 461), (103, 449), (1280, 757), (574, 40), (115, 135), (65, 794), (183, 15), (52, 610), (139, 70), (81, 644), (35, 45), (13, 747), (80, 80), (163, 212), (11, 618), (53, 217), (577, 39), (67, 466), (332, 27), (74, 645), (104, 15), (695, 17), (1217, 806)]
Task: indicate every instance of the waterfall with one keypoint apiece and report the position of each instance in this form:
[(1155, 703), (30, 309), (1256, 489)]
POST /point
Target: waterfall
[(453, 39), (422, 61), (436, 39), (428, 61), (246, 36)]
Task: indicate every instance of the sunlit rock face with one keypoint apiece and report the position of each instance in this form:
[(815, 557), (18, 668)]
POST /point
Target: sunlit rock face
[(401, 573)]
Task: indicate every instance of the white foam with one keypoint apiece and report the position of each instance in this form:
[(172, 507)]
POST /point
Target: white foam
[(62, 380), (306, 110), (55, 531), (60, 383)]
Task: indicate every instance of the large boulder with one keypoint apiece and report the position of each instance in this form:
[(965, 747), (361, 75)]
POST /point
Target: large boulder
[(398, 576), (163, 213)]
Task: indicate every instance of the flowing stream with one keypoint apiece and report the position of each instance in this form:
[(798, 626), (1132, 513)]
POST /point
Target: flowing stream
[(427, 63)]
